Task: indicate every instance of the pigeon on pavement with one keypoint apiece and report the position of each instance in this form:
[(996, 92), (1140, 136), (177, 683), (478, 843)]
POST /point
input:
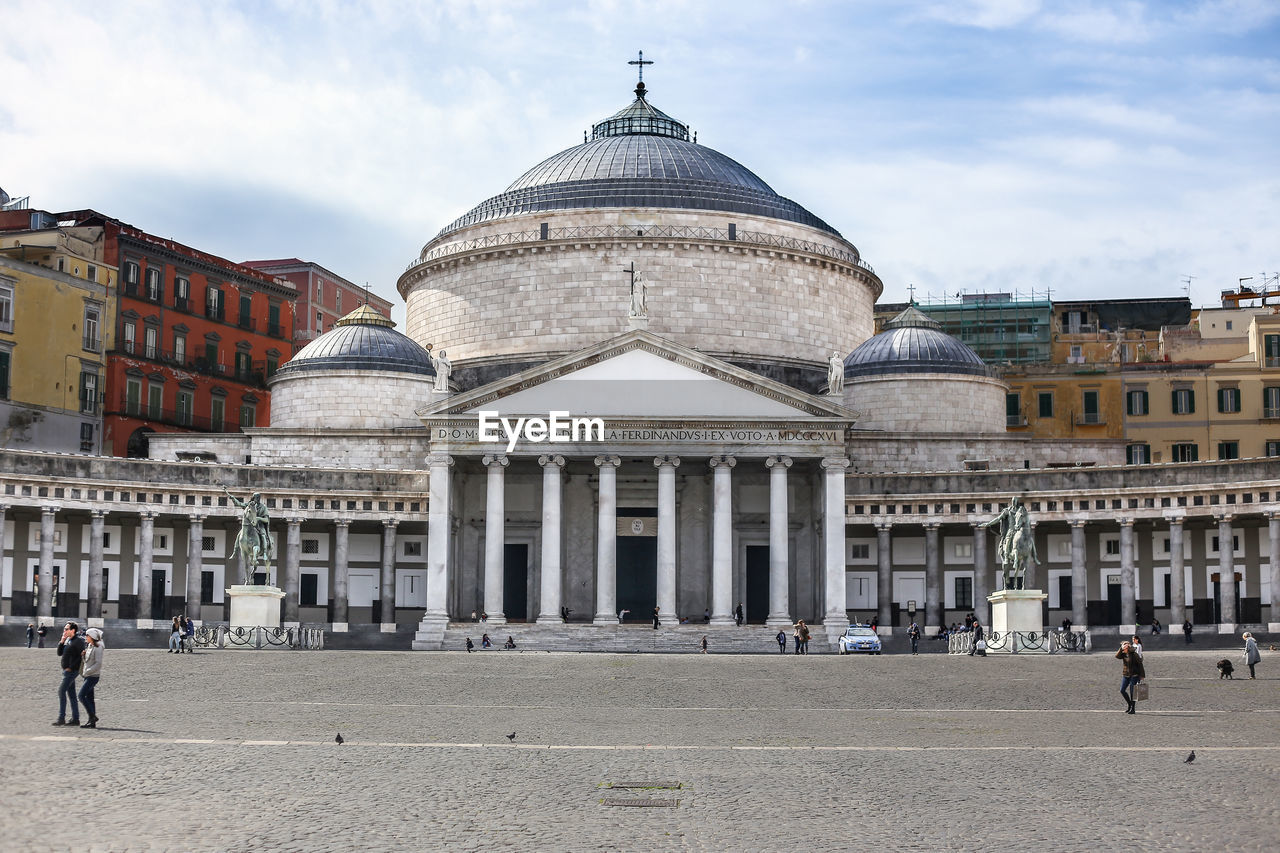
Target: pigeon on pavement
[(512, 737), (339, 739), (1190, 758)]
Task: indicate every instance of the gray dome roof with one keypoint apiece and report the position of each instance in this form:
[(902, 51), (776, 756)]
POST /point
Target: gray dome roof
[(913, 343), (639, 157), (362, 340)]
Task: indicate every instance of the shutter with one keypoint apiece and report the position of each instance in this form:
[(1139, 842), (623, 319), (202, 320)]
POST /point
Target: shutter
[(1222, 399), (1191, 401), (4, 374), (1146, 404)]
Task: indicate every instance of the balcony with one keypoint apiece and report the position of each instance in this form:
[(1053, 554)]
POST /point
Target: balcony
[(131, 288), (1090, 419), (216, 312), (171, 417), (182, 304), (1271, 361), (245, 322), (1015, 421), (92, 343), (1270, 413), (275, 330)]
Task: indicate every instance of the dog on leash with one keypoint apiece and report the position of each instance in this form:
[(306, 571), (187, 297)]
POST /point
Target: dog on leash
[(1225, 669)]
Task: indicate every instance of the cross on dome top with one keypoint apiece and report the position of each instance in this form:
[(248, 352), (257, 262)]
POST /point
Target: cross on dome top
[(641, 63)]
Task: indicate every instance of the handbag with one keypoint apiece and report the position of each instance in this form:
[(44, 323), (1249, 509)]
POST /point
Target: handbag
[(981, 645), (1141, 691)]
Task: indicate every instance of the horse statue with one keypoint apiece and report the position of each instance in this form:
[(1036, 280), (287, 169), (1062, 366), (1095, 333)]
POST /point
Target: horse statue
[(254, 542), (1017, 549)]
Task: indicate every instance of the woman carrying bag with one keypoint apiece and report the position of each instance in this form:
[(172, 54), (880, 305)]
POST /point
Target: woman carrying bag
[(91, 670), (1251, 656)]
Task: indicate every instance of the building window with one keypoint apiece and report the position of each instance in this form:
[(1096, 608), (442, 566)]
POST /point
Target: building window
[(92, 317), (319, 321), (179, 348), (963, 549), (155, 287), (311, 546), (1228, 325), (151, 342), (1273, 448), (131, 276), (133, 397), (273, 319), (184, 405), (1271, 351), (206, 587), (337, 297), (244, 367), (1235, 544), (1137, 454), (86, 446), (1111, 547), (208, 543), (1046, 404), (89, 392), (964, 593), (273, 364), (1184, 401), (213, 307), (1013, 409), (1186, 453), (1091, 413), (414, 549), (309, 590), (1271, 402), (6, 307), (1228, 450), (1077, 355), (155, 400), (5, 361), (246, 311), (90, 272), (1228, 400), (1136, 403), (248, 411), (130, 338), (217, 414), (211, 355), (181, 293)]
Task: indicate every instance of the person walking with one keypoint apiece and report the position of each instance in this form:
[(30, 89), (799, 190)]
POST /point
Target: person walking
[(804, 638), (655, 619), (40, 635), (914, 633), (704, 644), (1186, 630), (91, 671), (175, 635), (782, 641), (737, 614), (1133, 672), (1251, 656), (71, 649), (795, 637), (31, 634), (977, 638), (1136, 644), (471, 647), (188, 635)]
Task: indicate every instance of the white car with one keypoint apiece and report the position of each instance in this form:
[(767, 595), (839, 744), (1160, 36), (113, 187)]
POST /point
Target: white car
[(858, 638)]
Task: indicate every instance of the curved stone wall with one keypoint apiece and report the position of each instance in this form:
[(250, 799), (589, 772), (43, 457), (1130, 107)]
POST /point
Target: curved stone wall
[(781, 291), (928, 403), (349, 399)]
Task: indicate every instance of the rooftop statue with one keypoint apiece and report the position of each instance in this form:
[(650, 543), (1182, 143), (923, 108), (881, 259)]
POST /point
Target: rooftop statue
[(255, 542), (835, 374), (639, 296), (443, 367), (1017, 549)]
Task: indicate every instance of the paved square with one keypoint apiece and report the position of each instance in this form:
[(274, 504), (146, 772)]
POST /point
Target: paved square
[(234, 751)]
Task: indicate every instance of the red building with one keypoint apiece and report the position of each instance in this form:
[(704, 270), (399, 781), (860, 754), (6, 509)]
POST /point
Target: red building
[(197, 338), (323, 297)]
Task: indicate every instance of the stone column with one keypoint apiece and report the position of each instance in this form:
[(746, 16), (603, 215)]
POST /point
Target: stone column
[(1177, 578), (1128, 606), (1079, 577), (607, 542), (833, 521), (666, 586), (97, 523), (934, 614), (438, 538), (146, 550), (341, 552), (722, 540), (981, 576), (884, 578), (495, 536), (44, 604), (779, 543), (387, 584), (549, 597), (1226, 577), (195, 566), (292, 559), (1273, 528)]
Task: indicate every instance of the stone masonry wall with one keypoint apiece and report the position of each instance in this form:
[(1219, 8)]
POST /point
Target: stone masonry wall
[(349, 399), (928, 402)]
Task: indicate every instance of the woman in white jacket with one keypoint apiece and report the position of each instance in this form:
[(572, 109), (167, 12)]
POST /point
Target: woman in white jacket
[(1251, 656), (91, 670)]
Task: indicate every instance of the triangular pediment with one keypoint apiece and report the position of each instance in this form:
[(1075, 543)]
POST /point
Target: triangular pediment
[(640, 375)]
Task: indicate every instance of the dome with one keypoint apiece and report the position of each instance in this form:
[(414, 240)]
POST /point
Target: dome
[(913, 342), (639, 157), (362, 340)]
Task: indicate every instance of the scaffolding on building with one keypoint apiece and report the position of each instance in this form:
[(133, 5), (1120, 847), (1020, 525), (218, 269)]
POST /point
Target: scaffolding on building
[(1005, 327)]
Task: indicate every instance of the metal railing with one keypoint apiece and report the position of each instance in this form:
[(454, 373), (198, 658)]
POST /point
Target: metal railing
[(172, 417), (661, 232), (219, 636), (1016, 642)]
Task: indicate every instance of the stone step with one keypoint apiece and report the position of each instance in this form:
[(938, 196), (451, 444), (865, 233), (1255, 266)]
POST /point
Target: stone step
[(686, 639)]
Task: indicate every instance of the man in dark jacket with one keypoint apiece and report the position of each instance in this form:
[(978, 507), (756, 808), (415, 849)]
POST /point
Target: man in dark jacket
[(71, 648), (977, 638)]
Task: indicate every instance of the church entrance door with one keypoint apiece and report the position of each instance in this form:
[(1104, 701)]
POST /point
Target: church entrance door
[(757, 583), (515, 582), (637, 576)]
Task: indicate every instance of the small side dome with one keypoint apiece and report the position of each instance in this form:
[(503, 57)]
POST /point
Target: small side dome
[(913, 342), (362, 340)]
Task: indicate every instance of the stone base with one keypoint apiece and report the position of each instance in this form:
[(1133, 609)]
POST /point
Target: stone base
[(339, 627), (638, 322), (1226, 627), (387, 627), (254, 606), (777, 622), (605, 619), (1273, 627), (549, 620), (1016, 611), (1127, 630)]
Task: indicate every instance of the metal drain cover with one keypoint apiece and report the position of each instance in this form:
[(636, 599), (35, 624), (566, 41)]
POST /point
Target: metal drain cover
[(641, 804), (672, 786)]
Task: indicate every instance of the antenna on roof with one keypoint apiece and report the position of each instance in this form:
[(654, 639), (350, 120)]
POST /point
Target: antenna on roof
[(1186, 284)]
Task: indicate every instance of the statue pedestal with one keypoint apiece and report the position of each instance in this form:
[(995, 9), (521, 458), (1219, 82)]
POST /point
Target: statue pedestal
[(640, 323), (1013, 612), (255, 606)]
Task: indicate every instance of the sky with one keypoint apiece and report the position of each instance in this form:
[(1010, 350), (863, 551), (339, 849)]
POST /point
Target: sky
[(1083, 149)]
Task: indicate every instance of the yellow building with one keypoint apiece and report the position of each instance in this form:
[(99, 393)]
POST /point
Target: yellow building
[(56, 319), (1064, 401)]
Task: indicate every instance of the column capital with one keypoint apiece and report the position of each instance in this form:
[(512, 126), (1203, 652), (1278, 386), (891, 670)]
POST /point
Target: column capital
[(1222, 517), (932, 526), (1078, 522), (495, 458), (148, 514), (608, 461), (722, 461), (1273, 514), (775, 461), (1175, 518), (196, 518), (95, 514), (49, 509), (670, 461), (435, 460), (829, 462), (294, 521), (342, 522), (389, 523), (551, 459), (883, 526), (1125, 522)]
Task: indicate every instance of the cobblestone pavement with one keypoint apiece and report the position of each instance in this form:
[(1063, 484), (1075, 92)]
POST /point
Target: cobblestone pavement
[(234, 750)]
